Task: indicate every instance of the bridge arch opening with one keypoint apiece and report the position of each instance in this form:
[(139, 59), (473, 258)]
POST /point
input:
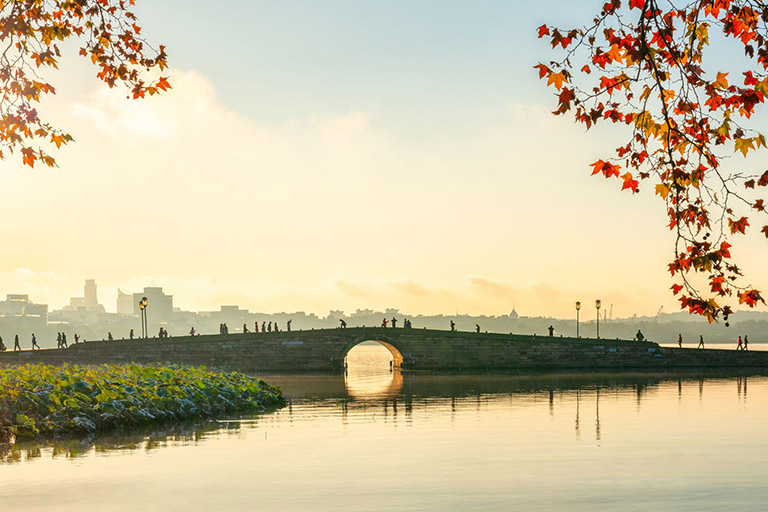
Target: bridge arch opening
[(372, 355), (372, 369)]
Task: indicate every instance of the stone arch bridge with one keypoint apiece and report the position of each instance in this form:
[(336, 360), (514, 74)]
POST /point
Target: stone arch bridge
[(324, 350)]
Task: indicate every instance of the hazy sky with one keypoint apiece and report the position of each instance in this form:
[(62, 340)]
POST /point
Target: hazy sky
[(337, 155)]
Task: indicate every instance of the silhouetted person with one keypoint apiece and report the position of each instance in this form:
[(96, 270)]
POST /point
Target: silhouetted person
[(159, 334), (192, 331), (34, 342), (64, 340), (255, 326), (288, 325), (130, 334), (58, 340), (738, 344), (3, 348), (245, 329), (110, 338), (394, 323), (269, 327), (746, 342), (226, 328), (16, 345), (77, 338), (477, 328), (342, 323), (453, 326), (384, 322), (639, 336), (551, 331), (275, 327), (263, 326), (701, 341), (680, 340)]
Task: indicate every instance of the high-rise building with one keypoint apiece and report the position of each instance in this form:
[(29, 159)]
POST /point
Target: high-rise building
[(124, 303), (89, 302), (159, 305)]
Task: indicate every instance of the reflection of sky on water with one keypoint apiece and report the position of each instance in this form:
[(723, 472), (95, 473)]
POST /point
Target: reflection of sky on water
[(411, 441)]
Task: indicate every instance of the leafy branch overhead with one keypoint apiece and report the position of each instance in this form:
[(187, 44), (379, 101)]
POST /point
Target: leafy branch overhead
[(30, 34), (640, 65)]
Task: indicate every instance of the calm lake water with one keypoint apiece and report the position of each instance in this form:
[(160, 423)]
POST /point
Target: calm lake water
[(376, 440)]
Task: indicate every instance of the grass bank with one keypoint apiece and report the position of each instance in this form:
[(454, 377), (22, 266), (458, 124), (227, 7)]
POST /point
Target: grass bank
[(42, 400)]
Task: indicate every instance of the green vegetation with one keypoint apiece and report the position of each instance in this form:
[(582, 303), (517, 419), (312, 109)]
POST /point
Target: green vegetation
[(51, 400)]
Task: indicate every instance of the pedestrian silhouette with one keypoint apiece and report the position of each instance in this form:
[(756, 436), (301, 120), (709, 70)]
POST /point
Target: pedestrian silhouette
[(342, 323), (276, 329), (551, 331), (453, 326), (288, 325), (255, 326), (639, 336), (746, 342), (263, 326), (192, 331), (701, 341), (64, 340), (34, 342), (16, 345), (738, 344), (477, 328), (3, 348), (245, 329), (384, 323), (58, 340), (77, 338), (269, 327), (680, 340), (394, 323), (110, 338), (130, 334)]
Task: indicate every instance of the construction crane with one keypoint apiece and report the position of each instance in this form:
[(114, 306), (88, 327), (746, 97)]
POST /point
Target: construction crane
[(660, 310)]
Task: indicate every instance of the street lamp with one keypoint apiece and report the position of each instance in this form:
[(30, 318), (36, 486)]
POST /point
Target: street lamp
[(578, 307), (143, 308), (597, 307)]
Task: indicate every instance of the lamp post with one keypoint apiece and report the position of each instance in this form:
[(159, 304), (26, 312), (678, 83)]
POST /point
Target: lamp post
[(143, 308), (578, 307), (597, 307)]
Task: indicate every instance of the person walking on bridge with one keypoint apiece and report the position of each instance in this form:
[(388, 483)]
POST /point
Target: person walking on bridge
[(453, 326), (394, 323), (477, 328), (64, 340), (34, 342), (3, 348), (738, 344), (680, 340), (288, 324), (192, 331), (58, 340), (701, 341), (245, 329), (263, 326), (16, 345), (746, 342), (342, 324), (255, 326), (130, 334), (269, 327), (384, 323), (551, 331)]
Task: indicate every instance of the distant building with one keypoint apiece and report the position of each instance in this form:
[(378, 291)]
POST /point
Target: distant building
[(513, 315), (89, 302), (159, 305), (16, 306), (125, 303)]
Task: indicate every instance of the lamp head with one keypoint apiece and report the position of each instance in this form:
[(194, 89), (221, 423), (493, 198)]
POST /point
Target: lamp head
[(578, 305), (598, 303)]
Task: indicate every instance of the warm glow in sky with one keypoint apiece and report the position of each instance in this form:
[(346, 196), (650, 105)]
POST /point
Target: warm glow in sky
[(337, 155)]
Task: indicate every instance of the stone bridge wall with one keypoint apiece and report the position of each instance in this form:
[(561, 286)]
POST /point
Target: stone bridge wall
[(324, 351)]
